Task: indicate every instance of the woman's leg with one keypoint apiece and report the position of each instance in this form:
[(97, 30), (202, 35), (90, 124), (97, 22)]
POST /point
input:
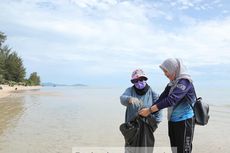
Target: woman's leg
[(172, 135), (181, 135), (189, 132)]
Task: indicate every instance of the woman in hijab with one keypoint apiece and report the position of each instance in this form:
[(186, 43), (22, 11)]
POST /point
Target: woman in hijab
[(140, 95), (177, 97)]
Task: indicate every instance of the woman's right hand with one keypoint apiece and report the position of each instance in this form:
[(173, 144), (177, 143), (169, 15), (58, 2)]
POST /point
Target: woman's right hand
[(134, 100)]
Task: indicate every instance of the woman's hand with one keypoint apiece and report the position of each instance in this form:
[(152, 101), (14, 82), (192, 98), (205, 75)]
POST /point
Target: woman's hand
[(144, 112), (134, 101), (154, 109)]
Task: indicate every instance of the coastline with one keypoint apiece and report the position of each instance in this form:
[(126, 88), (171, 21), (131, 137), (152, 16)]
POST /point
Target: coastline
[(8, 90)]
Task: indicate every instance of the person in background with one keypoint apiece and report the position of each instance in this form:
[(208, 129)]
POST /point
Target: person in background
[(140, 95), (177, 97)]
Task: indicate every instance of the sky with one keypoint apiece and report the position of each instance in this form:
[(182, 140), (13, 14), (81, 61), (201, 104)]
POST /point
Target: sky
[(100, 42)]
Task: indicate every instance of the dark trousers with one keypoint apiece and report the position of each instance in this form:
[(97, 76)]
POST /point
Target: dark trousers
[(181, 135)]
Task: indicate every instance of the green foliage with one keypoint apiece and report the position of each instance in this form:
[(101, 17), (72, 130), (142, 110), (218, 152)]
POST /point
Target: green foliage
[(11, 83), (34, 79), (4, 53), (12, 70), (2, 80), (15, 68), (2, 38)]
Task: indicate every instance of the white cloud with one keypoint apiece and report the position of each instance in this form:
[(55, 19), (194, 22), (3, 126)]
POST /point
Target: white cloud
[(105, 37), (197, 4)]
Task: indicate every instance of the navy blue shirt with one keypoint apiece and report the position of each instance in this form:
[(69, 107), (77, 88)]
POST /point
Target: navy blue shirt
[(181, 96)]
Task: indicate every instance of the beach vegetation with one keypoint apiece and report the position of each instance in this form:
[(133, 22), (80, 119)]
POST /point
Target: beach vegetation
[(2, 38), (12, 70), (34, 79)]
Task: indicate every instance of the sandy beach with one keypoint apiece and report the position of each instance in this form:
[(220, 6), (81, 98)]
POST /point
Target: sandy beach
[(8, 90)]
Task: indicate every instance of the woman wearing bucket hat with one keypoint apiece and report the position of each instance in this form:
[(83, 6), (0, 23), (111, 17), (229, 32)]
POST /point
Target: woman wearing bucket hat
[(136, 97), (178, 95)]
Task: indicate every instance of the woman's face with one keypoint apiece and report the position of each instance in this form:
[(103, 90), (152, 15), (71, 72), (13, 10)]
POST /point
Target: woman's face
[(169, 76)]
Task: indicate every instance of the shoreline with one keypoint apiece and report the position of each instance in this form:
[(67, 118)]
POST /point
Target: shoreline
[(8, 90)]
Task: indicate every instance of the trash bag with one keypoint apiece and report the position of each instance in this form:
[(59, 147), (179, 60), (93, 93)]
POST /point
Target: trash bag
[(138, 134)]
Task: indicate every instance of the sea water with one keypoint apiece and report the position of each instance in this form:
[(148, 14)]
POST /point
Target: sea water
[(56, 119)]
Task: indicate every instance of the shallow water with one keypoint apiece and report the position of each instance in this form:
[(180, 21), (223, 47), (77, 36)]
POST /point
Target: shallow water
[(57, 119)]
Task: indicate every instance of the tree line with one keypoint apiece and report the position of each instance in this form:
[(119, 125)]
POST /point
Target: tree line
[(12, 70)]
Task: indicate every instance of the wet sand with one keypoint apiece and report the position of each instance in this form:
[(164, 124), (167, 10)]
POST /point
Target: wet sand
[(7, 90)]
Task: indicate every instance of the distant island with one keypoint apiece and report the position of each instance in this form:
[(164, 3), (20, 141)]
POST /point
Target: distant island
[(56, 84)]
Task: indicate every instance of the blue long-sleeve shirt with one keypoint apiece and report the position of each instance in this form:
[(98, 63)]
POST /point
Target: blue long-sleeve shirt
[(148, 100), (179, 98)]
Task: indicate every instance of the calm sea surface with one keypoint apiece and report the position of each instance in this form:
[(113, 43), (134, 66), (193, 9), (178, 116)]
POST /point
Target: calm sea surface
[(55, 119)]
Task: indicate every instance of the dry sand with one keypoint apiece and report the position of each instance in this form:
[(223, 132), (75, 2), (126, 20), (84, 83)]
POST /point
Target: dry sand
[(7, 90)]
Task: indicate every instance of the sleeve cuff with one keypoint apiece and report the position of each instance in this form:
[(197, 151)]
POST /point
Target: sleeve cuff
[(159, 106)]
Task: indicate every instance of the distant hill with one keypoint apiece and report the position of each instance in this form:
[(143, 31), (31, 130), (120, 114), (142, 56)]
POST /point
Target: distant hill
[(83, 85), (48, 84), (55, 84)]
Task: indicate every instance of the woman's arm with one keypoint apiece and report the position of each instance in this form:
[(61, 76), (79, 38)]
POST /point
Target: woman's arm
[(125, 97), (177, 94)]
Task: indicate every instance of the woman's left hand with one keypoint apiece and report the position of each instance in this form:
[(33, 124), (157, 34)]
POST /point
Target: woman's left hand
[(144, 112)]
